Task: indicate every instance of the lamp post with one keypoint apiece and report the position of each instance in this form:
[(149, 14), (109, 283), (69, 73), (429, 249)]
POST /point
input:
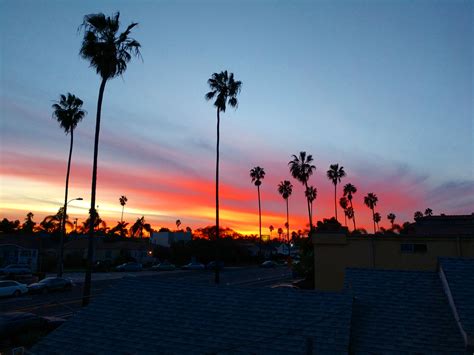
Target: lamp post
[(63, 236)]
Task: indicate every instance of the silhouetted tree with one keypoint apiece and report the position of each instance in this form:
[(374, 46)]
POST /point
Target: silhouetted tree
[(123, 201), (225, 89), (7, 226), (344, 203), (120, 228), (349, 191), (258, 174), (285, 189), (311, 193), (377, 219), (136, 230), (391, 217), (418, 215), (280, 232), (428, 212), (68, 112), (301, 169), (271, 228), (52, 224), (349, 212), (371, 201), (29, 224), (335, 174), (108, 53), (178, 223)]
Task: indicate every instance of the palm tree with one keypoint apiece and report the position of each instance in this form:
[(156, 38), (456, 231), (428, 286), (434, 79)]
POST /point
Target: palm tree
[(121, 228), (428, 212), (377, 219), (258, 174), (280, 232), (108, 53), (285, 189), (225, 89), (344, 203), (391, 217), (178, 223), (123, 201), (371, 201), (349, 212), (418, 215), (136, 230), (68, 112), (29, 224), (271, 228), (349, 191), (301, 169), (311, 193), (335, 174)]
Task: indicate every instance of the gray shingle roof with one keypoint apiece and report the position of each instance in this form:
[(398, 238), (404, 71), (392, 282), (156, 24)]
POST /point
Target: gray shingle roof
[(401, 311), (460, 276), (154, 316)]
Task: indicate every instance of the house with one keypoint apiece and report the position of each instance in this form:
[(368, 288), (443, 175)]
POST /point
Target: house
[(16, 254), (282, 249), (165, 239), (444, 225)]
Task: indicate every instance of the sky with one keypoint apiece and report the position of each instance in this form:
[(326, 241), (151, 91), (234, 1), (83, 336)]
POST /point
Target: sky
[(384, 88)]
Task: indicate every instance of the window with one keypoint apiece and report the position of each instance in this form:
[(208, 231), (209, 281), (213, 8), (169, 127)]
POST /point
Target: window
[(409, 248)]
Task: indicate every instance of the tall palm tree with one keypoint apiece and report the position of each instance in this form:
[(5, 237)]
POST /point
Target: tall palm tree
[(391, 217), (271, 228), (108, 53), (225, 89), (371, 201), (335, 174), (258, 174), (123, 201), (428, 212), (344, 203), (178, 223), (311, 193), (68, 112), (349, 191), (301, 169), (377, 219), (285, 189)]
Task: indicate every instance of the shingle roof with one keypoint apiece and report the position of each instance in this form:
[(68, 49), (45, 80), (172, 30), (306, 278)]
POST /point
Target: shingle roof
[(155, 316), (459, 273), (401, 311)]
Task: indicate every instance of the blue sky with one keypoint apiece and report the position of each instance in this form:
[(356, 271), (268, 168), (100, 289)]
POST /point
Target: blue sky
[(385, 88)]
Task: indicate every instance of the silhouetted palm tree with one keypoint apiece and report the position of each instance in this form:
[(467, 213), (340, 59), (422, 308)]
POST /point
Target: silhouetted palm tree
[(68, 112), (428, 212), (280, 232), (123, 201), (311, 193), (335, 174), (136, 230), (258, 174), (285, 189), (371, 201), (301, 169), (349, 212), (391, 217), (108, 53), (178, 223), (120, 228), (225, 89), (271, 228), (377, 219), (29, 224), (418, 215), (344, 203), (349, 191)]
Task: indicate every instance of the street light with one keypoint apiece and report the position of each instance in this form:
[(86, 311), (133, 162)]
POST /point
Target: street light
[(63, 235)]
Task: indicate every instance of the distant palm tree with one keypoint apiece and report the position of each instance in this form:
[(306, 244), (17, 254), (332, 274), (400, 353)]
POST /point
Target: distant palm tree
[(68, 112), (349, 191), (120, 228), (349, 212), (109, 54), (52, 224), (225, 89), (280, 232), (123, 201), (391, 217), (136, 230), (271, 228), (335, 174), (428, 212), (311, 193), (344, 203), (29, 224), (178, 223), (285, 189), (371, 201), (258, 174), (301, 169), (418, 215), (377, 219)]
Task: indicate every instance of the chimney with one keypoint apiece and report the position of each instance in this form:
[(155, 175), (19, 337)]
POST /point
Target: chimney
[(329, 260)]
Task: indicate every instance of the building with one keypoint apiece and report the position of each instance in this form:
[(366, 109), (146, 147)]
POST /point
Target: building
[(444, 225), (16, 254), (165, 239)]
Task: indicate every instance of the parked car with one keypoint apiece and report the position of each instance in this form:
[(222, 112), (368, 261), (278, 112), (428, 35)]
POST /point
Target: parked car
[(50, 284), (287, 286), (16, 269), (131, 266), (17, 323), (268, 264), (193, 266), (164, 266), (212, 265), (12, 288)]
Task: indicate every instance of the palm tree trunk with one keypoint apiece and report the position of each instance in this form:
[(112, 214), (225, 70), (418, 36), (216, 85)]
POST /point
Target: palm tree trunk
[(353, 215), (345, 219), (90, 248), (216, 276), (259, 218), (121, 218), (373, 218), (288, 227), (335, 203), (63, 222), (309, 209)]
